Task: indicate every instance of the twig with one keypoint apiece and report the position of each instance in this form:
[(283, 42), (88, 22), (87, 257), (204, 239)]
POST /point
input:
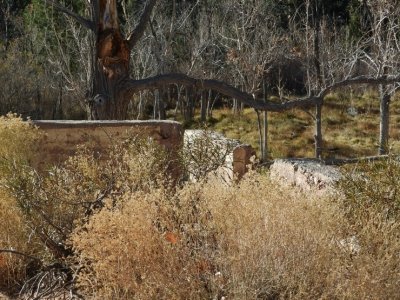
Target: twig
[(19, 253)]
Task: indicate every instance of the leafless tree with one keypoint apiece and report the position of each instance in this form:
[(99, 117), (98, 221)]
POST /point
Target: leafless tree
[(111, 86), (382, 56)]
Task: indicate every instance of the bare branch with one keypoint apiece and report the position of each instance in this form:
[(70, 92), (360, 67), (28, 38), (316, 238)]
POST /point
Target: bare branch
[(218, 86), (360, 80), (57, 249), (19, 253), (138, 32), (223, 88), (81, 20)]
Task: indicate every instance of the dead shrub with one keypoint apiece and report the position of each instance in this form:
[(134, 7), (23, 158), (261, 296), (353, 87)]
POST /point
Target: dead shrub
[(129, 235), (17, 139), (50, 204), (250, 241), (205, 153), (13, 236), (138, 261)]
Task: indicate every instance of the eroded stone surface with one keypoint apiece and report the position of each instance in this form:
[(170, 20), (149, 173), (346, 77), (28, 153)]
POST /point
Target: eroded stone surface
[(242, 159), (237, 156), (307, 174)]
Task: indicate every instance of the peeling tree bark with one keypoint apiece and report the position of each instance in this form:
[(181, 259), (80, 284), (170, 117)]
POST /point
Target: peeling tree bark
[(111, 66)]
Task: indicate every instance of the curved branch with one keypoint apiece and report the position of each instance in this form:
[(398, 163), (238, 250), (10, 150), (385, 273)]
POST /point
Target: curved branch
[(218, 86), (360, 80), (138, 32), (81, 20), (223, 88)]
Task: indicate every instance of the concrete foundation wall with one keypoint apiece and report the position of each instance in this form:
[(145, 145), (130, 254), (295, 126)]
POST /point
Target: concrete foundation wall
[(61, 138)]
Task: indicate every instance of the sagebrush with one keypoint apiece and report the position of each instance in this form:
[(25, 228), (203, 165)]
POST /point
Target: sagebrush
[(116, 228)]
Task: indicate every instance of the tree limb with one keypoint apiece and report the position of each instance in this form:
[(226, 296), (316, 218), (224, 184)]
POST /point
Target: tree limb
[(81, 20), (57, 249), (360, 80), (218, 86), (138, 32), (223, 88)]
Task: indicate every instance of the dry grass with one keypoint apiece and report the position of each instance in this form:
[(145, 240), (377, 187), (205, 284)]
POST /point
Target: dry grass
[(204, 240), (13, 236), (17, 140), (251, 241), (291, 134)]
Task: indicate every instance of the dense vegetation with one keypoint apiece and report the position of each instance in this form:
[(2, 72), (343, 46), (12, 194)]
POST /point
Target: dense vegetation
[(119, 228), (116, 229)]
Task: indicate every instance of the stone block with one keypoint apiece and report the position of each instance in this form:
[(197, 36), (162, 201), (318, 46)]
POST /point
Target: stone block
[(307, 174), (243, 158)]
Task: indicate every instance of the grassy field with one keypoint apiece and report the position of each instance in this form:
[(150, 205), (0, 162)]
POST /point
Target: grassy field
[(291, 134)]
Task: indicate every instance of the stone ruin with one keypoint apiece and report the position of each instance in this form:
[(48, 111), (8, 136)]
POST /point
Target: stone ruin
[(61, 139), (228, 159)]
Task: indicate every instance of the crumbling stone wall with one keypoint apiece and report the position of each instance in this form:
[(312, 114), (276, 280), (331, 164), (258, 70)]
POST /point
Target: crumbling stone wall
[(61, 138)]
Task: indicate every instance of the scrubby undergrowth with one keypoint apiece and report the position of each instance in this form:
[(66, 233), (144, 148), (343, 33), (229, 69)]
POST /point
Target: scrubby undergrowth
[(127, 234)]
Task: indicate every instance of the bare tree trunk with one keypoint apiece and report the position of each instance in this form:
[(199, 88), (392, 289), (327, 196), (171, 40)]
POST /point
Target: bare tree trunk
[(179, 105), (264, 146), (189, 104), (156, 105), (203, 115), (209, 104), (260, 133), (140, 107), (384, 120), (57, 110), (320, 82), (39, 107), (318, 131), (162, 104)]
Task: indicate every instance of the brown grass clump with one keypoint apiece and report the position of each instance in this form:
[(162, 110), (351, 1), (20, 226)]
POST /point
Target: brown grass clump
[(13, 237), (127, 234), (147, 256), (251, 241), (17, 140)]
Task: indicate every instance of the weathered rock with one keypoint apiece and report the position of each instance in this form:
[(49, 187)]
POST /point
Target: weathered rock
[(230, 159), (307, 174), (242, 159), (3, 297)]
